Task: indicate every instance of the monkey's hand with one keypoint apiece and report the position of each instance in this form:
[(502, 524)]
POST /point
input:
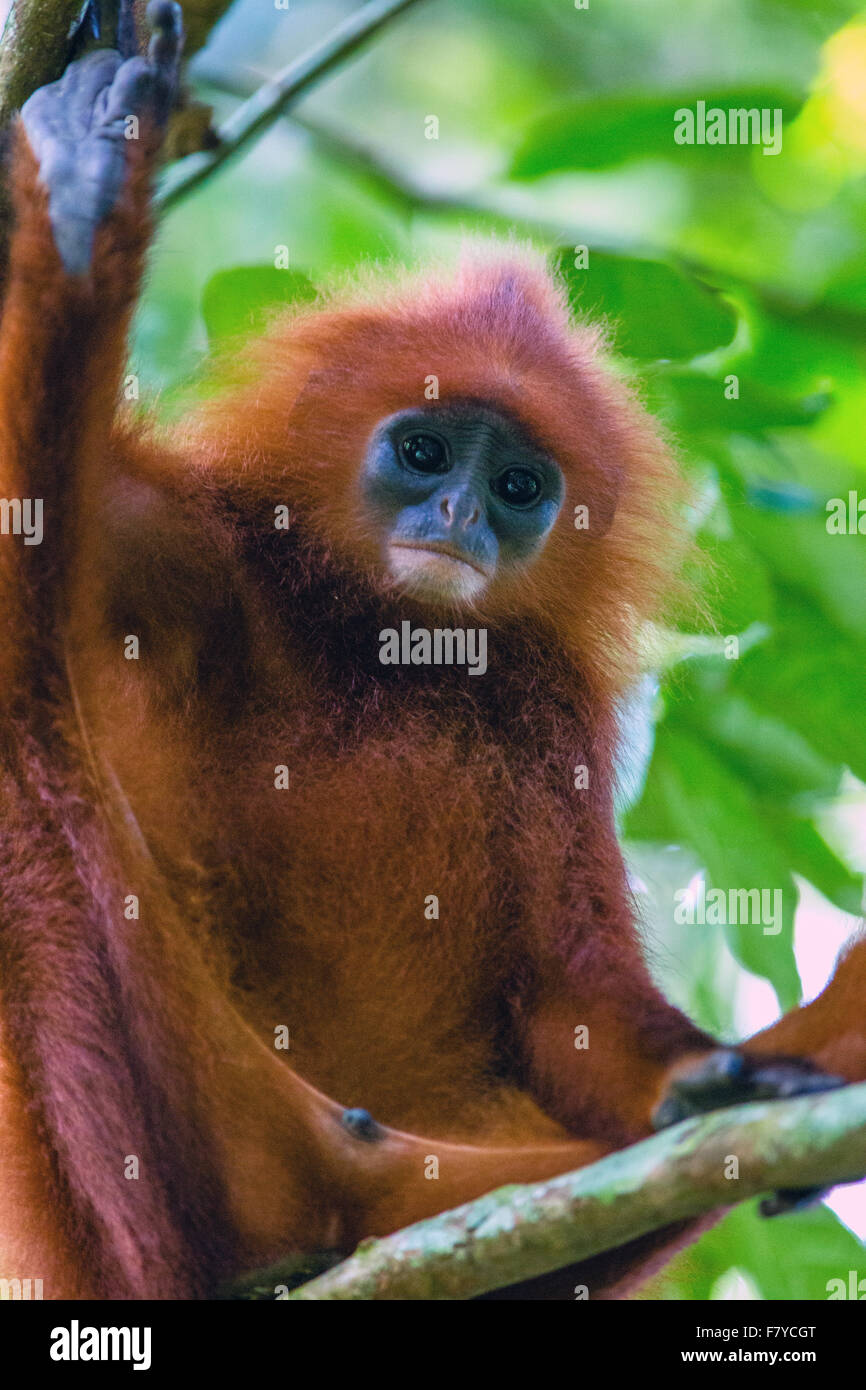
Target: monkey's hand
[(727, 1077), (80, 127)]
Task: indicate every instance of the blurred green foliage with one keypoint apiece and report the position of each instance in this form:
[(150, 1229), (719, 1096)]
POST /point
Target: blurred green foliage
[(708, 263)]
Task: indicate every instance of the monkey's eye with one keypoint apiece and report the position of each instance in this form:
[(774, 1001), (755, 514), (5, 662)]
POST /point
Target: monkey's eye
[(426, 453), (519, 487)]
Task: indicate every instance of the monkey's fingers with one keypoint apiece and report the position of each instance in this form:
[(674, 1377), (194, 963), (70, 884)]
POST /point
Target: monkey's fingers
[(63, 111), (728, 1077), (789, 1199), (165, 18), (149, 85)]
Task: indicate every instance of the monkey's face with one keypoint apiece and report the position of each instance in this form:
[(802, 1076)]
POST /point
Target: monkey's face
[(457, 493)]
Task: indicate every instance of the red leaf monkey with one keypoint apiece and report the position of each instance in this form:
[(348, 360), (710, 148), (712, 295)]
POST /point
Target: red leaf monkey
[(173, 656)]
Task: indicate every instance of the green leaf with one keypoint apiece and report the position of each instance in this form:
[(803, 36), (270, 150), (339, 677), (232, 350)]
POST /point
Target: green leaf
[(733, 582), (657, 310), (809, 677), (829, 570), (597, 132), (775, 759), (692, 798), (696, 403), (812, 858), (237, 303), (793, 1259)]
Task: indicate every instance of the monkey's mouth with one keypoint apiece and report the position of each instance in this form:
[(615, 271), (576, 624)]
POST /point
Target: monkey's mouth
[(436, 571), (439, 549)]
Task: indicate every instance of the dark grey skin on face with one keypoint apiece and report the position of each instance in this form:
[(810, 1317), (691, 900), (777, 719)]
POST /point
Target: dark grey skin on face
[(457, 491)]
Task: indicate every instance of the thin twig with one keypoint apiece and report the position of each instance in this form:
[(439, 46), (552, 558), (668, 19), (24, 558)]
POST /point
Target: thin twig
[(275, 96)]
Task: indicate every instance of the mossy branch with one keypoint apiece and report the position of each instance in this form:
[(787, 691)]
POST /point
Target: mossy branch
[(517, 1233), (34, 49)]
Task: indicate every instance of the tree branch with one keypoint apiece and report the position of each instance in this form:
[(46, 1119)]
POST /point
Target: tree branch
[(33, 49), (518, 1233), (274, 97)]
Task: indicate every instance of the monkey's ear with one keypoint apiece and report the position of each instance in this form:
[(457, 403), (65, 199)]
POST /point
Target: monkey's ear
[(594, 503), (322, 384)]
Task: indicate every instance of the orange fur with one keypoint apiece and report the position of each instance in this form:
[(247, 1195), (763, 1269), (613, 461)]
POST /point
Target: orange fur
[(495, 329), (153, 1037)]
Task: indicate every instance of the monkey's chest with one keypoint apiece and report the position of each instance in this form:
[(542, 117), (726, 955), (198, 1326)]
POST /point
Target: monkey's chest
[(394, 895)]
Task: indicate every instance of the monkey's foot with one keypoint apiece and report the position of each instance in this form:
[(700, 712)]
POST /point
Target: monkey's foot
[(726, 1077), (79, 128)]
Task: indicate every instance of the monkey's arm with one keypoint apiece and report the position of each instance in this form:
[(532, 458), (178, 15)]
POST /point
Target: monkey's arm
[(81, 230), (610, 1057), (831, 1030), (814, 1048), (599, 1039)]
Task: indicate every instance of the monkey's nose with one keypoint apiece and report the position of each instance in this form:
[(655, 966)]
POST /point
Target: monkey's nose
[(460, 511)]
